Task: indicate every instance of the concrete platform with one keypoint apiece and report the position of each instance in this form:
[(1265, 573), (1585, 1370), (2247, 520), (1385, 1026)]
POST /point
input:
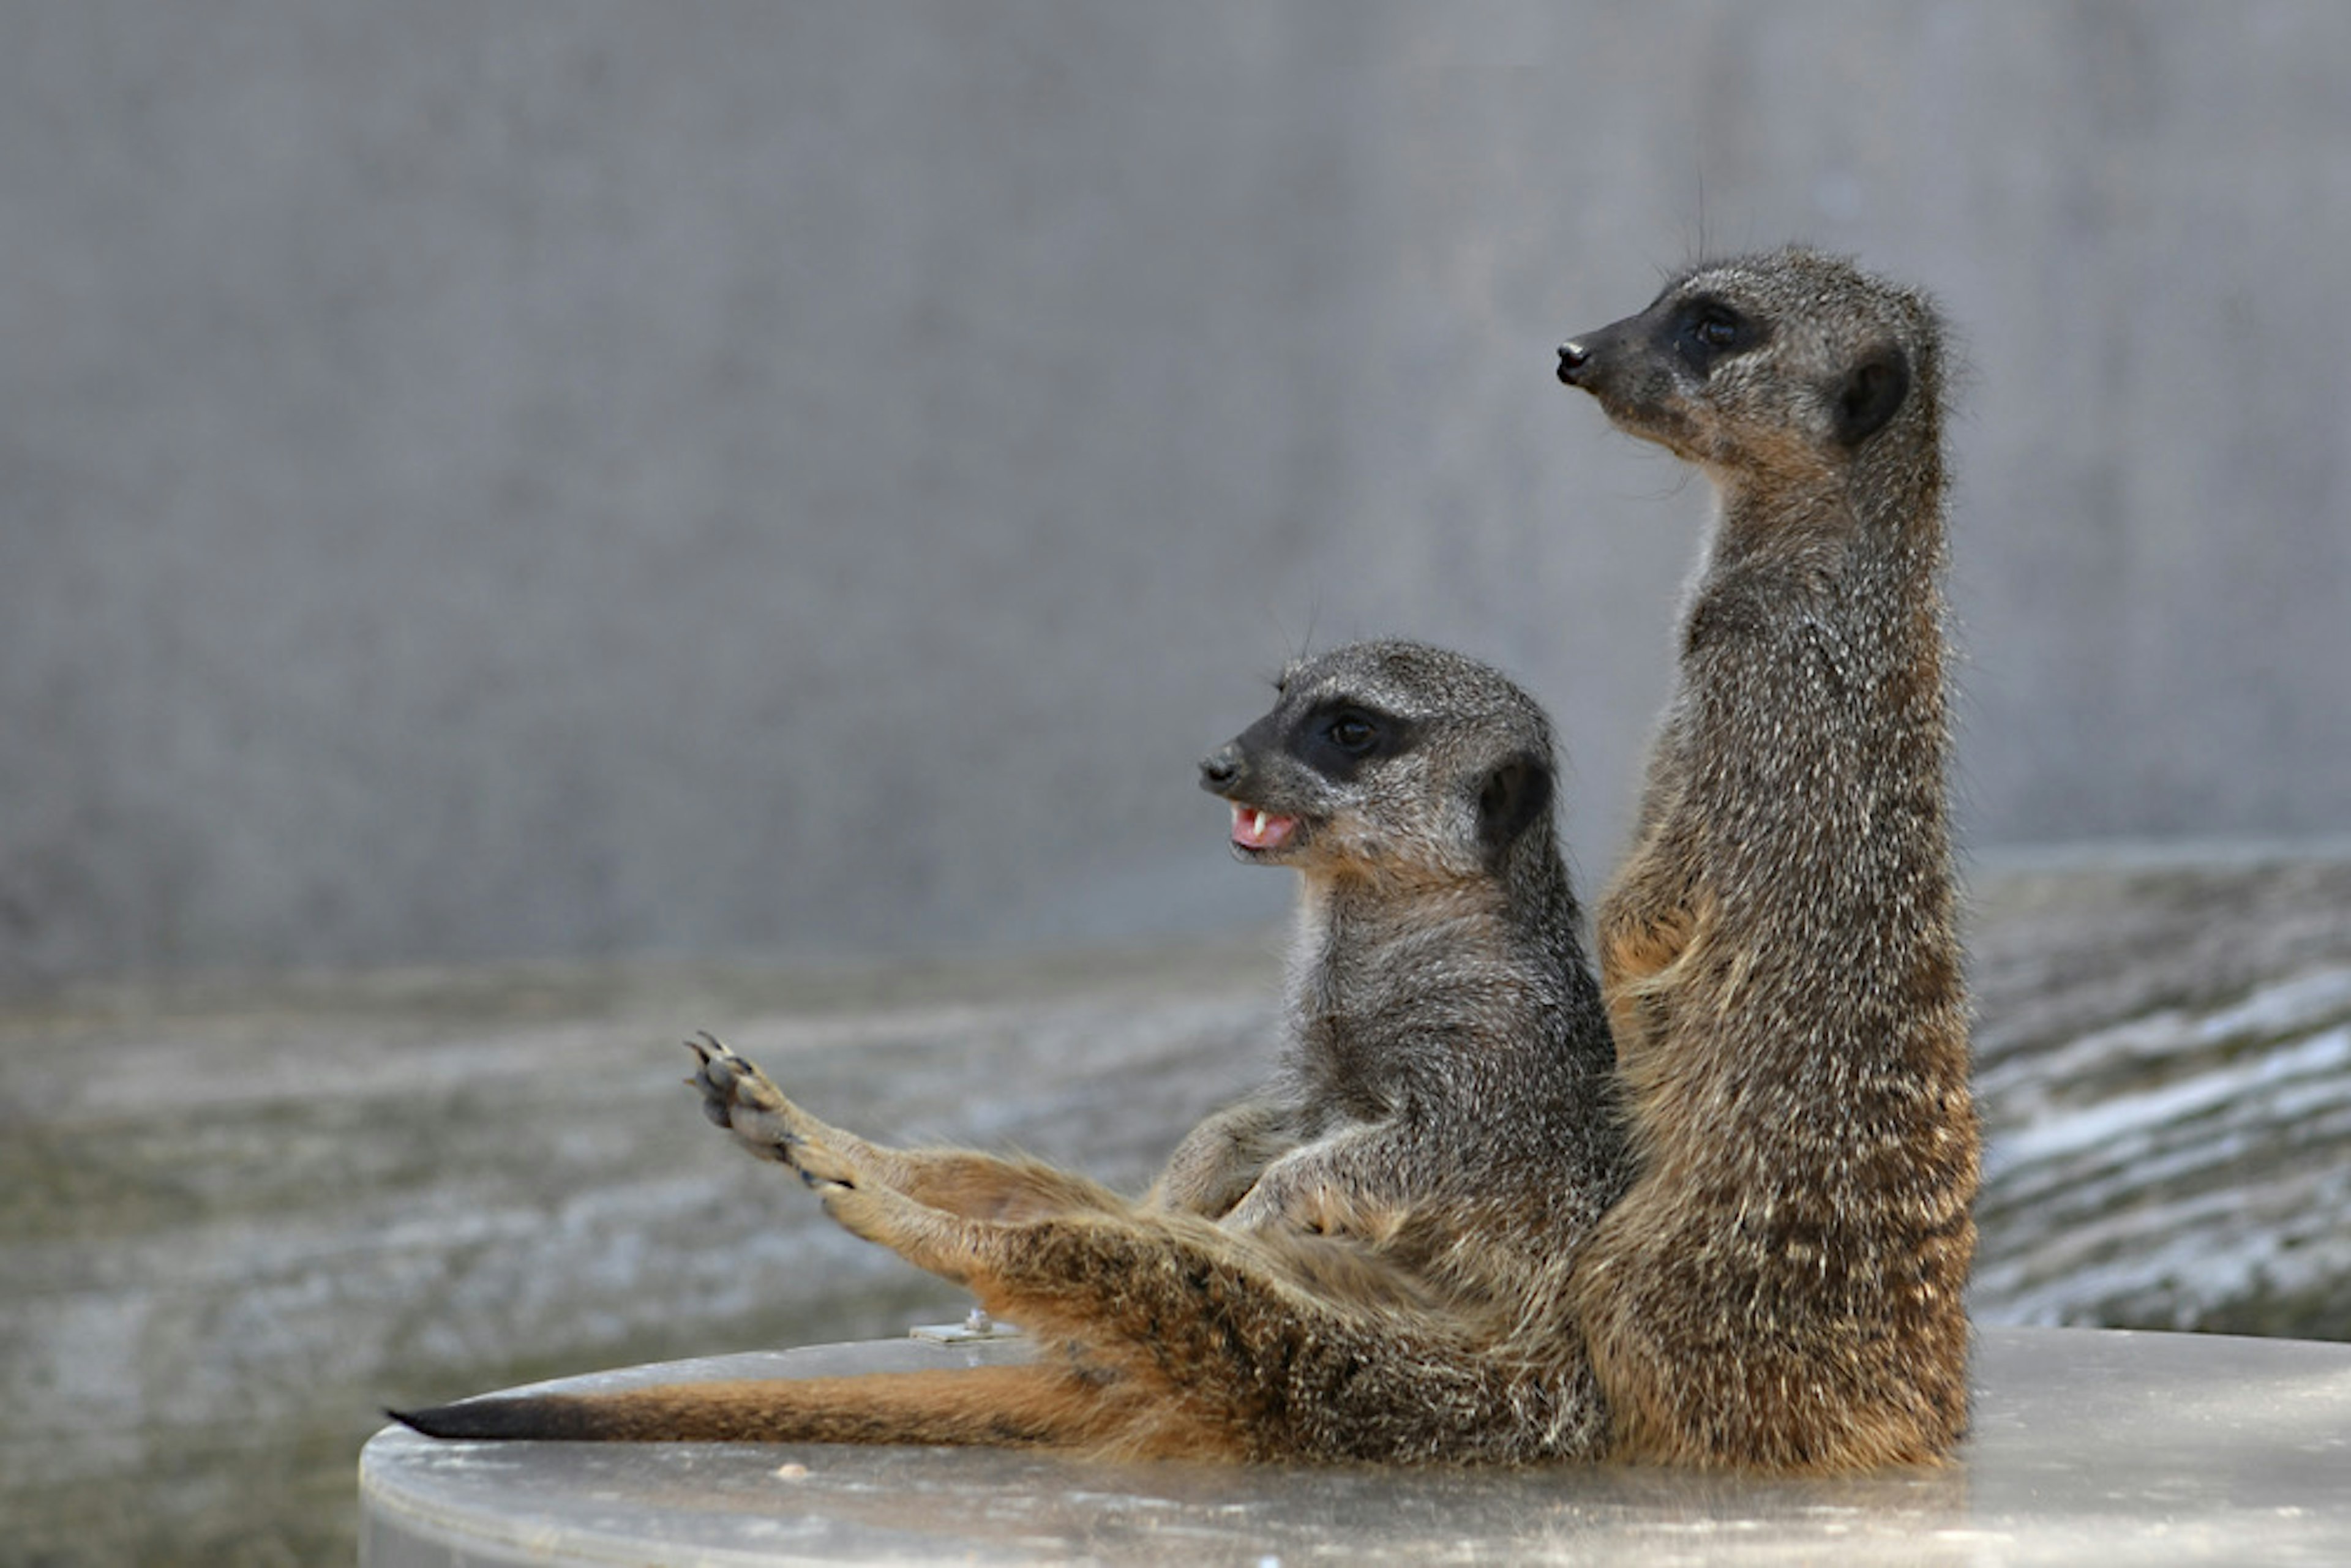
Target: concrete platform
[(2090, 1445)]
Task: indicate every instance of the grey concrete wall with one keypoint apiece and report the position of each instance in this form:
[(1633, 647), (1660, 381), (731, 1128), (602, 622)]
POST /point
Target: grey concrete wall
[(576, 477)]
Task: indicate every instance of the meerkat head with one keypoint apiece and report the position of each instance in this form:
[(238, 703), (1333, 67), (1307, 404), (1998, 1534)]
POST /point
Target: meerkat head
[(1389, 760), (1788, 362)]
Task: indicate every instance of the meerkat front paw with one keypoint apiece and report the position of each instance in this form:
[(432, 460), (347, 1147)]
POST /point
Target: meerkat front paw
[(1285, 1200), (1312, 1203)]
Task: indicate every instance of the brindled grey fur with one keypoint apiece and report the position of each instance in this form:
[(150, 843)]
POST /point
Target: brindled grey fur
[(1370, 1260), (1782, 1287)]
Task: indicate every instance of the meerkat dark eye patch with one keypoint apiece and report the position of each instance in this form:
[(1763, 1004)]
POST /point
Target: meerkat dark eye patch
[(1704, 331), (1870, 394), (1336, 739), (1514, 797)]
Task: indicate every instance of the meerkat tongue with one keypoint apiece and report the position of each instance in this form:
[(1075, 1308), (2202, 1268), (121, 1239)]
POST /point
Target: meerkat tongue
[(1256, 830)]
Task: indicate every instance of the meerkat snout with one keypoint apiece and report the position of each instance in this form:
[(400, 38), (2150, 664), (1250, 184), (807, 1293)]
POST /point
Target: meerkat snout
[(1572, 357)]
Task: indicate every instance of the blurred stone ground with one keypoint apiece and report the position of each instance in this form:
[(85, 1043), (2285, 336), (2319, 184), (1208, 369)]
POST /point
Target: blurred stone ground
[(236, 1219), (2163, 1053)]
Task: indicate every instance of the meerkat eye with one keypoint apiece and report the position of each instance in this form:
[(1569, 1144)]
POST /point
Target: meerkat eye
[(1710, 329), (1340, 738)]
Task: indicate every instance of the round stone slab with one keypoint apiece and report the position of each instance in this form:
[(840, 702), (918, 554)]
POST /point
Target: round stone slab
[(2088, 1445)]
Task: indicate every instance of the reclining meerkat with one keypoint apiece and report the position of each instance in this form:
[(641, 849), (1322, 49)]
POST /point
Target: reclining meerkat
[(1372, 1259), (1783, 1286)]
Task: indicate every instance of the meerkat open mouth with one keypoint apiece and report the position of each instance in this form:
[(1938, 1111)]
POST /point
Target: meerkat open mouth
[(1254, 828)]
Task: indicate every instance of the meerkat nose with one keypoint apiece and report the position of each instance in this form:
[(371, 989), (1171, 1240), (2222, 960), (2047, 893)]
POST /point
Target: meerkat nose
[(1220, 768), (1572, 357)]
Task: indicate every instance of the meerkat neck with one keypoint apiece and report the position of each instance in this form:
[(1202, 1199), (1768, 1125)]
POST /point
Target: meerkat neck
[(1762, 533), (1891, 497), (1351, 930), (1371, 965)]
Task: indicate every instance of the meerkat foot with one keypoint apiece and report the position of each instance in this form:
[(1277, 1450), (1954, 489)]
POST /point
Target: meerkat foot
[(824, 1168), (737, 1096), (931, 1240)]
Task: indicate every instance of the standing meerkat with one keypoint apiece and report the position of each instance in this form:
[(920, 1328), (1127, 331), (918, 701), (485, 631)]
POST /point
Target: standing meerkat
[(1371, 1259), (1783, 1286)]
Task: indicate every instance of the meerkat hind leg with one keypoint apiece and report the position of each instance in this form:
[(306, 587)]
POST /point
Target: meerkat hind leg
[(741, 1098)]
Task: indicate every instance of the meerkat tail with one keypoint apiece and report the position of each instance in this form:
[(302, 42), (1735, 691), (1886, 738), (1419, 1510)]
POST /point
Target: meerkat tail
[(1012, 1406)]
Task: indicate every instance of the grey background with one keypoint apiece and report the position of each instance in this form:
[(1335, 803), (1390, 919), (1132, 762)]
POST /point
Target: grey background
[(561, 478)]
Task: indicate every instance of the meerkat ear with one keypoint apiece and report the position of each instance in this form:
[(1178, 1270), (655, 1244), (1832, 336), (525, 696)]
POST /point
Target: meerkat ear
[(1514, 796), (1870, 393)]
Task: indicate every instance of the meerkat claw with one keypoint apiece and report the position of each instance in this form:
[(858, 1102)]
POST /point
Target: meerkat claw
[(713, 1078)]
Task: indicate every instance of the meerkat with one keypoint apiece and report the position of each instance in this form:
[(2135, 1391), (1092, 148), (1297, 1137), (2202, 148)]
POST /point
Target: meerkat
[(1371, 1259), (1782, 1286)]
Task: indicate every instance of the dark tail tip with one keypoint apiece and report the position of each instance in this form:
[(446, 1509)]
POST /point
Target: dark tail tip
[(496, 1420)]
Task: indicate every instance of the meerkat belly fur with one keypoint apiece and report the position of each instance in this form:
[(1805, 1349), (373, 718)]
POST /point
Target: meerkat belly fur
[(1372, 1259), (1783, 1286)]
